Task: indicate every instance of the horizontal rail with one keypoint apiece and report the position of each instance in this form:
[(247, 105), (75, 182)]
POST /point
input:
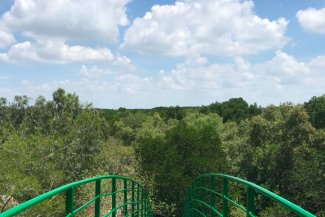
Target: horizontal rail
[(198, 186), (69, 189), (227, 198)]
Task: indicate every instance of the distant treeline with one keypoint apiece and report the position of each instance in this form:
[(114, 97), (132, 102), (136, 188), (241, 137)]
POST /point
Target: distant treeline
[(52, 142), (235, 109)]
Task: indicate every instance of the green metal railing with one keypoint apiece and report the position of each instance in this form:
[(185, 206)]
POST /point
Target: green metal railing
[(126, 196), (209, 195)]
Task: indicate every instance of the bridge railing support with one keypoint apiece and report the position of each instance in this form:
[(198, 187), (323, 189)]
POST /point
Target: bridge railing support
[(201, 199), (119, 187)]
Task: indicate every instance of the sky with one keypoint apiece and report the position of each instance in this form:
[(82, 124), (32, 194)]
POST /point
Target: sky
[(143, 54)]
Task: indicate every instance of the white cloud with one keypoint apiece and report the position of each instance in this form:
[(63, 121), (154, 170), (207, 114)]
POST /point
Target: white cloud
[(54, 52), (317, 63), (283, 78), (198, 81), (6, 92), (45, 87), (4, 58), (6, 38), (67, 19), (194, 82), (283, 65), (93, 72), (189, 27), (98, 85), (51, 26), (121, 78), (312, 19)]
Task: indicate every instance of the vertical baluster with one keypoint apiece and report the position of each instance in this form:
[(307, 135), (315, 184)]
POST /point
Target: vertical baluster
[(97, 201), (203, 209), (212, 194), (125, 196), (142, 202), (138, 198), (225, 194), (147, 205), (250, 201), (196, 214), (114, 196), (132, 199), (190, 202), (69, 202)]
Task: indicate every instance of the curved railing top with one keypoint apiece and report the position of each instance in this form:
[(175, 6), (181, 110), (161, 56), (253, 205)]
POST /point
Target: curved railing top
[(285, 203), (65, 188), (140, 202)]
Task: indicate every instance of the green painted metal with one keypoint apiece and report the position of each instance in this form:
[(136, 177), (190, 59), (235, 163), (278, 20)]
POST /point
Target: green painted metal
[(193, 200), (125, 183), (69, 202), (203, 193), (133, 201), (212, 195), (97, 196), (225, 200), (142, 201), (138, 197), (114, 197), (250, 202), (201, 198)]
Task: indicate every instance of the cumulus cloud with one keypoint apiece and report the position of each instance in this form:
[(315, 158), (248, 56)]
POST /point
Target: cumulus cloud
[(74, 20), (196, 81), (312, 19), (54, 52), (283, 64), (6, 38), (101, 85), (125, 80), (189, 27), (51, 26), (46, 87), (283, 78), (93, 72)]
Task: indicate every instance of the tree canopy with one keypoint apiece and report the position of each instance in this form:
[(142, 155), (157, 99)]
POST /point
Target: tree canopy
[(47, 143)]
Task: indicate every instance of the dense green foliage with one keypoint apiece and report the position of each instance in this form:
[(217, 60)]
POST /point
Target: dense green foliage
[(47, 143)]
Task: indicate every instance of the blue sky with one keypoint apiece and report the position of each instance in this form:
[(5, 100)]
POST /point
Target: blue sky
[(142, 54)]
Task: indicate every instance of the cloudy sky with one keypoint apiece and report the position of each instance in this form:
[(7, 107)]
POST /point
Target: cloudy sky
[(142, 54)]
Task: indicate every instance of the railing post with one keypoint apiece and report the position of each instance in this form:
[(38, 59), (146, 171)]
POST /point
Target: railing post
[(225, 196), (97, 201), (187, 201), (190, 202), (250, 201), (212, 195), (125, 197), (138, 198), (142, 203), (69, 202), (114, 196), (196, 196), (202, 193), (146, 205), (132, 199)]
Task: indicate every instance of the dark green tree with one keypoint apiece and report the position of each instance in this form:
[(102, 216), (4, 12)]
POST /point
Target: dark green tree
[(315, 108), (174, 157)]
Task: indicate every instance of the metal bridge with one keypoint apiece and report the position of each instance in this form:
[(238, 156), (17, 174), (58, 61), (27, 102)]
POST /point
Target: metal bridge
[(210, 195)]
